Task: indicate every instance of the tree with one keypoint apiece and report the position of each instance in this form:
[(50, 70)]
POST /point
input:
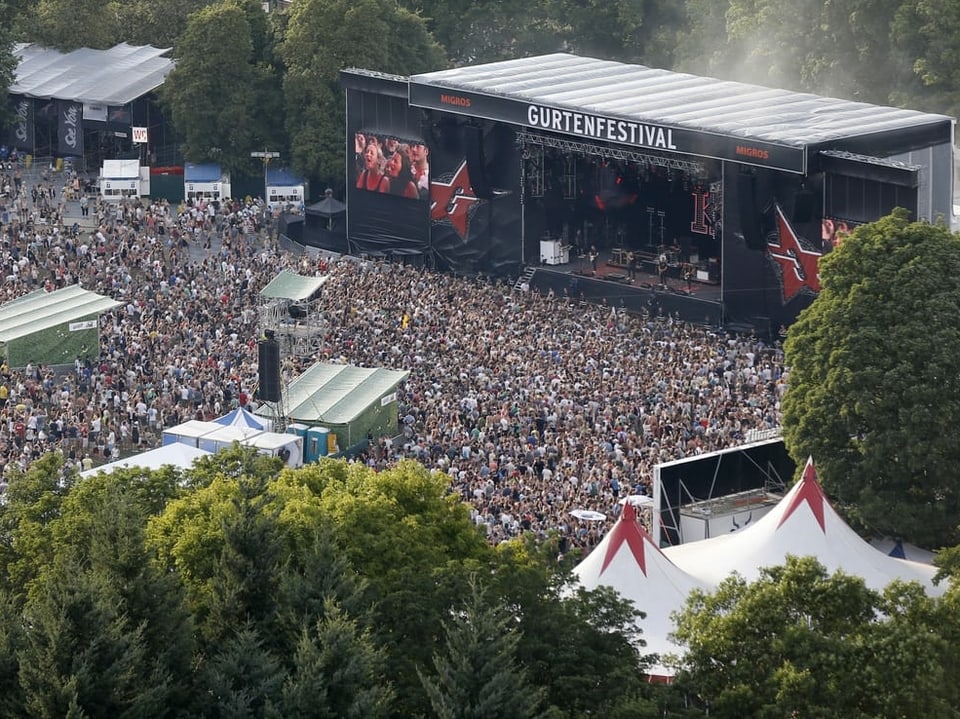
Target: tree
[(32, 502), (219, 90), (71, 24), (581, 646), (875, 379), (337, 672), (476, 674), (925, 38), (798, 642), (323, 37), (82, 652)]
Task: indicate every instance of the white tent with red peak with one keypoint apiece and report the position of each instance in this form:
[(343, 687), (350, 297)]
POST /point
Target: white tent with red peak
[(802, 524), (629, 562)]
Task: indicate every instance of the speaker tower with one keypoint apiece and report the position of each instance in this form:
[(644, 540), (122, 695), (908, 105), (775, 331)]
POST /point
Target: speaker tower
[(268, 360)]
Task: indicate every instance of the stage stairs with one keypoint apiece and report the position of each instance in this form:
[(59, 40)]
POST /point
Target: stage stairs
[(525, 278)]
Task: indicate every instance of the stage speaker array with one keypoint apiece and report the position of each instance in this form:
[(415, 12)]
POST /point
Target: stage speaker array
[(802, 206), (476, 162), (268, 359), (750, 223)]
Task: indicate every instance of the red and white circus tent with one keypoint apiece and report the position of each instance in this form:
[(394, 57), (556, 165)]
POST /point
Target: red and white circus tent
[(802, 524), (629, 562)]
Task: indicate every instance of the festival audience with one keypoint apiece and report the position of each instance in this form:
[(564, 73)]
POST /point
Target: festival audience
[(529, 418)]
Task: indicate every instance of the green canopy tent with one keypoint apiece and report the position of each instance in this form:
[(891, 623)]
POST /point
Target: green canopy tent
[(352, 402), (52, 328)]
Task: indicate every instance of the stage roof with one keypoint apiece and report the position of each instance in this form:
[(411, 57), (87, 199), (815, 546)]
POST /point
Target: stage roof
[(291, 286), (673, 112), (115, 76)]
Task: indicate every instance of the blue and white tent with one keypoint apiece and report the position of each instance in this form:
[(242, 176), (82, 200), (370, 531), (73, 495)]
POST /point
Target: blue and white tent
[(242, 417)]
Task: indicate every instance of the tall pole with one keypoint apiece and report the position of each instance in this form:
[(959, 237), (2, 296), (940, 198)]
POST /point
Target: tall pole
[(266, 156)]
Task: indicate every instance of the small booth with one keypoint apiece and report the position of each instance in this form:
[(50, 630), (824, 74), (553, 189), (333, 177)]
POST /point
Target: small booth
[(120, 179), (205, 182), (288, 447), (285, 191)]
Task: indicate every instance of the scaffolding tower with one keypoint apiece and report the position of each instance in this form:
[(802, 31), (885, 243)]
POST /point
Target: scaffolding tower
[(290, 310)]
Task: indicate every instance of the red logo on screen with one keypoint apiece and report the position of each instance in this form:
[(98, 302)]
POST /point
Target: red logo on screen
[(452, 199), (799, 268)]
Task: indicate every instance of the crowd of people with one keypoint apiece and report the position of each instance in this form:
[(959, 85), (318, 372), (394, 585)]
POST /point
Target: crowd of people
[(532, 405)]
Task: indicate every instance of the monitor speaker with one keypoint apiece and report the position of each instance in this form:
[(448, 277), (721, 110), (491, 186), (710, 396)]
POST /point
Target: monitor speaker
[(268, 358)]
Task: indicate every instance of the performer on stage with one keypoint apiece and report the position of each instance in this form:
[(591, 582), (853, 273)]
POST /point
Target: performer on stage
[(662, 265), (593, 258), (632, 264)]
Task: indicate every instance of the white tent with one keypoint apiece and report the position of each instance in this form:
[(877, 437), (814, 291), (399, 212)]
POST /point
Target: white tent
[(223, 437), (628, 561), (189, 432), (287, 446), (802, 524), (176, 454), (242, 417)]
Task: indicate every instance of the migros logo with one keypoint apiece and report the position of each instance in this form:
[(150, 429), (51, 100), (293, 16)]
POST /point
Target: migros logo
[(455, 100), (753, 152)]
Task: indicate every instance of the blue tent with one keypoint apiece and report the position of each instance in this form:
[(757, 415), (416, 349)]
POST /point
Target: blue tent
[(241, 417)]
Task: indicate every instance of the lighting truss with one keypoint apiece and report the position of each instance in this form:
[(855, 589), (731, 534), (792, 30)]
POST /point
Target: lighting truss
[(692, 167)]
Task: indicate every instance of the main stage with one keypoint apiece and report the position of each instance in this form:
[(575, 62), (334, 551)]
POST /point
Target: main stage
[(743, 188)]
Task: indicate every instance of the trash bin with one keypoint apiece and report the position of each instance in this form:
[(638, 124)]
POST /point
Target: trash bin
[(28, 161)]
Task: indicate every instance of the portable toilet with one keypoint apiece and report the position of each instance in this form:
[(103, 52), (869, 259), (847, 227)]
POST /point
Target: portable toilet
[(331, 443), (315, 445), (298, 429)]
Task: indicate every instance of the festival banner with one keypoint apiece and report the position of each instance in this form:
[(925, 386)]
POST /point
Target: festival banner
[(22, 132), (69, 130)]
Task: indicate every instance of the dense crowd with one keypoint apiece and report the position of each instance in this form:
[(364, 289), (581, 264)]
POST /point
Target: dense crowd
[(533, 405)]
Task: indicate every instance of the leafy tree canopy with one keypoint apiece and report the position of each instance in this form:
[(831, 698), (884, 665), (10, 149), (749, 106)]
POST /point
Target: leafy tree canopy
[(875, 379), (798, 642)]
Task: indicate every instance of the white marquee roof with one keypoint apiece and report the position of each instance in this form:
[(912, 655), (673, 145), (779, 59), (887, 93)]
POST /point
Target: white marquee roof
[(116, 76), (628, 561), (802, 524)]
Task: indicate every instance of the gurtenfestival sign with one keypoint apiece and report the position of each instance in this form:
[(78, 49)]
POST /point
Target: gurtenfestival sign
[(619, 130), (69, 132)]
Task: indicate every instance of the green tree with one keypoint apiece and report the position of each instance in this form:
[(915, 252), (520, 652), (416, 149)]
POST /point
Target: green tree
[(926, 40), (875, 379), (156, 22), (337, 672), (582, 646), (243, 678), (476, 674), (798, 642), (415, 547), (32, 502), (218, 93), (82, 652), (323, 37), (68, 25)]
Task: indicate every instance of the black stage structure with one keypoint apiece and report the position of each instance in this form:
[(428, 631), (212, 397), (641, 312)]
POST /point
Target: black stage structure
[(629, 184)]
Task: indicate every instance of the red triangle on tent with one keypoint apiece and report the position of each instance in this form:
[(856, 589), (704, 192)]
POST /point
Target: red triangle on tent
[(810, 492), (626, 530)]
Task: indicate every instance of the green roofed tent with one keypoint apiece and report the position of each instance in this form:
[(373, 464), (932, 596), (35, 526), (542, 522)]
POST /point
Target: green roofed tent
[(52, 327), (291, 286), (351, 402)]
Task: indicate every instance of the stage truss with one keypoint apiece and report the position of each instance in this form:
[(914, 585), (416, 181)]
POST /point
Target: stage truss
[(694, 168)]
